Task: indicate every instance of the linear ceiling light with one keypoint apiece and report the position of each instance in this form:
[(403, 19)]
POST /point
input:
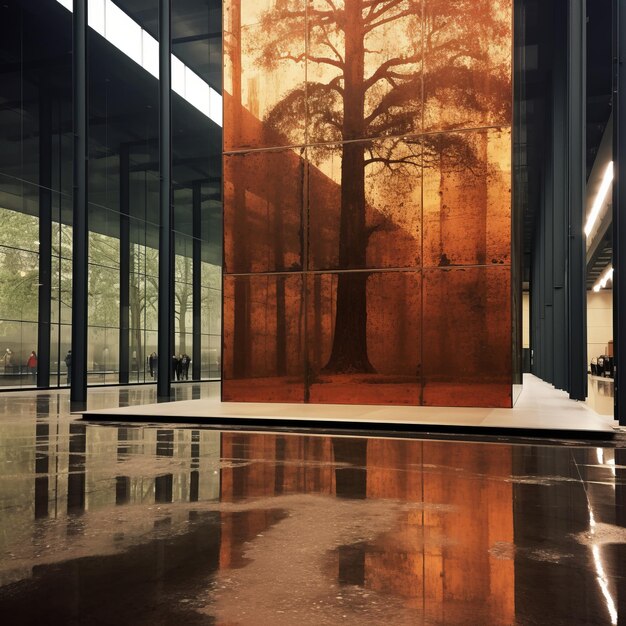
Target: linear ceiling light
[(120, 30), (598, 203), (604, 279)]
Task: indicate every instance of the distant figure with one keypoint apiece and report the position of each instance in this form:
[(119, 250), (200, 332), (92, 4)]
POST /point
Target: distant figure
[(31, 364), (174, 367), (7, 357), (152, 363), (68, 363), (185, 361), (179, 367)]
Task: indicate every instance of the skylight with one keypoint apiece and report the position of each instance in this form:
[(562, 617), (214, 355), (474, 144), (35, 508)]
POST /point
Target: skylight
[(120, 30)]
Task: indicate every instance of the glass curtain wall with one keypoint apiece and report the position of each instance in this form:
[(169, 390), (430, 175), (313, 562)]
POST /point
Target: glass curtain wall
[(196, 169), (36, 152), (35, 191)]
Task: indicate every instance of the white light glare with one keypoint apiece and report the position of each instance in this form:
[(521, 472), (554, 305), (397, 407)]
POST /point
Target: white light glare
[(600, 199), (604, 279), (120, 30)]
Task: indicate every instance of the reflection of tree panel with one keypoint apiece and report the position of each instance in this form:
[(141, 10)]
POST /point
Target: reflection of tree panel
[(282, 465), (391, 341), (458, 540), (273, 351), (467, 337), (438, 558)]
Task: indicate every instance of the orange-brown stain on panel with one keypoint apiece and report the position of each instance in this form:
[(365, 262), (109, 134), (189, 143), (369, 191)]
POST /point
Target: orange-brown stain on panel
[(263, 225), (263, 338), (467, 337), (371, 359)]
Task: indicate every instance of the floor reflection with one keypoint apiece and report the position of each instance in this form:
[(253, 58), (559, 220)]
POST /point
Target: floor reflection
[(160, 524)]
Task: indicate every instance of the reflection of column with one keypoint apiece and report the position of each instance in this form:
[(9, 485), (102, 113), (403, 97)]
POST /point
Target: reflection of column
[(76, 469), (42, 459), (351, 482), (45, 239), (163, 484), (124, 339), (122, 483), (194, 478), (196, 298)]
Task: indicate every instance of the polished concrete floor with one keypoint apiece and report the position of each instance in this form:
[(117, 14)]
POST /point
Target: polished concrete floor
[(156, 524)]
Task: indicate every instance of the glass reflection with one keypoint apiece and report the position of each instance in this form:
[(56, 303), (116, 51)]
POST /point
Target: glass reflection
[(368, 530)]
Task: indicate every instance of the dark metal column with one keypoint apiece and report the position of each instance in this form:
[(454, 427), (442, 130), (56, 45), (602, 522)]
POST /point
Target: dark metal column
[(124, 263), (577, 294), (78, 392), (45, 239), (619, 207), (196, 357), (166, 279), (560, 238)]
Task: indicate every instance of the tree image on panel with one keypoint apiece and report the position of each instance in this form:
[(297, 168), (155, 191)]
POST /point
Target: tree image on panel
[(383, 69)]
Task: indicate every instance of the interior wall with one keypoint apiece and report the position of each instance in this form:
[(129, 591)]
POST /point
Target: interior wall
[(367, 202), (526, 320), (599, 322)]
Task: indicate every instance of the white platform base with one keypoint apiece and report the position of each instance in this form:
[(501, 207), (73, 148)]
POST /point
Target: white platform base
[(539, 407)]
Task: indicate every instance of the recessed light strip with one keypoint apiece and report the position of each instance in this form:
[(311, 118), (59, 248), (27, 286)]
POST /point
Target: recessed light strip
[(120, 30), (604, 279), (598, 203)]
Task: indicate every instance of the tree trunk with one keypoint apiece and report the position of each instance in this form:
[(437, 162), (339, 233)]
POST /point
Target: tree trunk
[(349, 351)]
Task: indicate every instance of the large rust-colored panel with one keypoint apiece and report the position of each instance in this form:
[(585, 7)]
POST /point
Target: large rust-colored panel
[(263, 198), (364, 69), (364, 205), (467, 63), (363, 339), (263, 338), (467, 337), (264, 74), (467, 198)]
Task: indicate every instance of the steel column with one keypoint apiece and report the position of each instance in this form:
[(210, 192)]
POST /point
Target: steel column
[(45, 239), (80, 230), (577, 290), (619, 206), (124, 341), (166, 279), (196, 357)]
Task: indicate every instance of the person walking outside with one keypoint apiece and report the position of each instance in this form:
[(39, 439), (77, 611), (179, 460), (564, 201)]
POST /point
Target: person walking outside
[(31, 364), (68, 364), (185, 361)]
